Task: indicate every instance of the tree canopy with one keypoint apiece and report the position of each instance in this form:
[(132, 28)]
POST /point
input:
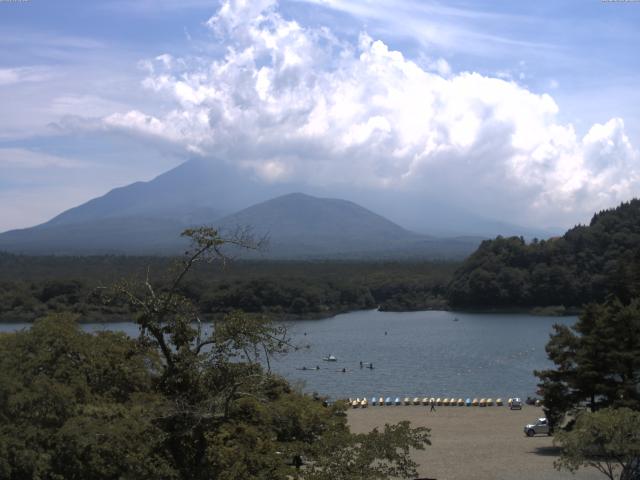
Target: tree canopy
[(597, 361), (607, 440), (185, 400), (584, 265)]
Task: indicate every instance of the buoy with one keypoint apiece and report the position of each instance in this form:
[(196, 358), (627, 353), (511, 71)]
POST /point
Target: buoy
[(460, 402), (538, 403), (467, 402), (425, 401), (474, 402), (397, 400), (489, 402), (499, 402), (416, 401)]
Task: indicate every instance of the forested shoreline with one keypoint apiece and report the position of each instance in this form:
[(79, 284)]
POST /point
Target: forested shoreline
[(585, 265), (556, 276), (31, 287)]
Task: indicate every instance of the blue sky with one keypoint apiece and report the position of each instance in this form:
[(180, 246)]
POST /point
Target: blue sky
[(520, 111)]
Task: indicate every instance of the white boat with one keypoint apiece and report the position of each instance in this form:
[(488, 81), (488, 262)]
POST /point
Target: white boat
[(330, 358)]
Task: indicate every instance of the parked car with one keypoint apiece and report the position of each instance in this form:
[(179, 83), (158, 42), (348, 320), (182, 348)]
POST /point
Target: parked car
[(516, 404), (540, 427)]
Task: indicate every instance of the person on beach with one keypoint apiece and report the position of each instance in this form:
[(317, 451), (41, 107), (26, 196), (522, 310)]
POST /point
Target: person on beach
[(433, 406)]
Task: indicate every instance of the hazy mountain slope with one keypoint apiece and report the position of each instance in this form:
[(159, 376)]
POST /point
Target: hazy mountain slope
[(192, 191), (300, 225), (147, 218)]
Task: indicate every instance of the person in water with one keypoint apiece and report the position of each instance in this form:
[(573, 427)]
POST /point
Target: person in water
[(371, 366), (360, 363), (344, 370)]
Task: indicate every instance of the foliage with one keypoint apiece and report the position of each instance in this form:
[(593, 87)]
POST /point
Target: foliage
[(185, 400), (608, 440), (374, 455), (584, 265), (597, 360), (31, 287), (74, 405)]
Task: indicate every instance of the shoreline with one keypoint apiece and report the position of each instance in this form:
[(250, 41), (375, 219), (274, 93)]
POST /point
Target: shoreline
[(551, 311)]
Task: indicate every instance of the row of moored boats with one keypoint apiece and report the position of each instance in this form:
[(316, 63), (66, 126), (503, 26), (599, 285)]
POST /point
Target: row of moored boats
[(445, 402)]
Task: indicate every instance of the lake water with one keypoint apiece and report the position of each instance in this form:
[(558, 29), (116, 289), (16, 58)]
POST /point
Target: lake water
[(421, 353)]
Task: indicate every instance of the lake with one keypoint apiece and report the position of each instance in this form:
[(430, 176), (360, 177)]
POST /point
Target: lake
[(413, 353)]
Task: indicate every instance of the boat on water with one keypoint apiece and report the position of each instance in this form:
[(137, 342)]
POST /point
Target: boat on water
[(330, 358)]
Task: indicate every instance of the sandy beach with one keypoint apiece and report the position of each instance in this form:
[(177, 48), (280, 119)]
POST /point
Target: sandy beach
[(475, 443)]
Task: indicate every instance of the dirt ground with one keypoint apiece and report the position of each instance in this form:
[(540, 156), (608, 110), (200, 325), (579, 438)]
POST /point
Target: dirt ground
[(475, 443)]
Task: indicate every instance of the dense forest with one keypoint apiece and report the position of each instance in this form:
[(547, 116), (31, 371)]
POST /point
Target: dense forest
[(31, 287), (584, 265)]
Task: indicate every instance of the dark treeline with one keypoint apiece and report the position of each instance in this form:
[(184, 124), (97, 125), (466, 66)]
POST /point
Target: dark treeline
[(584, 265), (31, 287)]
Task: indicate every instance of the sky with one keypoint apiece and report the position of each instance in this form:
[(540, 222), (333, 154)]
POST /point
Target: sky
[(524, 112)]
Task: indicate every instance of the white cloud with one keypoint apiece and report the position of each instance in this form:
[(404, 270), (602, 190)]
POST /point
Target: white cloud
[(16, 75), (297, 103)]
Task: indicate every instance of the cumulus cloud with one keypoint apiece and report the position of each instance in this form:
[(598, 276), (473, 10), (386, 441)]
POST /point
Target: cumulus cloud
[(294, 103)]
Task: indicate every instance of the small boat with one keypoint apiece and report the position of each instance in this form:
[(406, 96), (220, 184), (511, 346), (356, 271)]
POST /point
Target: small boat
[(489, 402), (438, 401), (474, 402), (388, 401), (499, 402), (364, 403), (374, 401), (397, 401), (483, 402), (416, 401), (467, 402), (445, 402), (460, 402), (330, 358), (425, 401), (381, 401), (407, 401), (355, 403)]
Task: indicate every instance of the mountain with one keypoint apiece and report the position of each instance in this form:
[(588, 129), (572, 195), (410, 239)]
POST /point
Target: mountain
[(300, 225), (143, 217), (148, 217)]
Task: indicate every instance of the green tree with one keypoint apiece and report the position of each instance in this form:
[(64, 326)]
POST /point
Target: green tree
[(607, 440), (225, 416), (597, 361), (76, 406)]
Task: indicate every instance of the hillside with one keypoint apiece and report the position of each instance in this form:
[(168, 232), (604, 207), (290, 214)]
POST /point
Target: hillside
[(584, 265), (146, 218), (300, 226)]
